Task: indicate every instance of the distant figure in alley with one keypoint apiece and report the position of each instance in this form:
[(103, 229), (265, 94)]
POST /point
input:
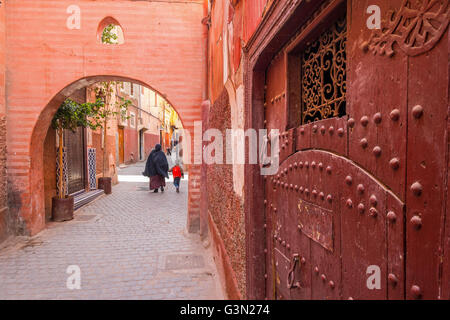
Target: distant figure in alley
[(157, 169), (177, 173)]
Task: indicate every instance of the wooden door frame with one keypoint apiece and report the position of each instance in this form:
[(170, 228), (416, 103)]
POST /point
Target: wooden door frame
[(141, 144), (277, 27), (85, 177), (119, 129)]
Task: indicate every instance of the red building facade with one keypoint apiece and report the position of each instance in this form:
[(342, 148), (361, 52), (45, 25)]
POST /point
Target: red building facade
[(73, 57), (139, 131)]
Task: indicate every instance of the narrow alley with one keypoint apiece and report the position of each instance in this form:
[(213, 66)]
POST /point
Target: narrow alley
[(131, 244)]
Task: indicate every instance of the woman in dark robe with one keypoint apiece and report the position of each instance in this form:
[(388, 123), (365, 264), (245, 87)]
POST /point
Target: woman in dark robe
[(157, 169)]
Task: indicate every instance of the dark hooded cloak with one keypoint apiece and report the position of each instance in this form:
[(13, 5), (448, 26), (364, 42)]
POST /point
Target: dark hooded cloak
[(156, 163)]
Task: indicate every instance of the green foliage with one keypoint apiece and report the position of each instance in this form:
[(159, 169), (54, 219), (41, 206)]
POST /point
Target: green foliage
[(71, 115), (108, 35), (104, 93)]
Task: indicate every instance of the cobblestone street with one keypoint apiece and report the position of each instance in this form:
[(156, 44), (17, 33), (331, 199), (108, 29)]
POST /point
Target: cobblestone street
[(131, 244)]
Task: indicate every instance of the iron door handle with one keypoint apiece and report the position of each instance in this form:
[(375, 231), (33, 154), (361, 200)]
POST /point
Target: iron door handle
[(291, 274)]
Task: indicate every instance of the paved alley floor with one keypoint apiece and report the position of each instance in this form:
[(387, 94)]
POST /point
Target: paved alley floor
[(131, 244)]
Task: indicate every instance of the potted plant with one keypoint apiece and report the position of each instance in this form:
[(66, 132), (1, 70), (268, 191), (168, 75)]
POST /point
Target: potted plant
[(69, 116), (106, 111)]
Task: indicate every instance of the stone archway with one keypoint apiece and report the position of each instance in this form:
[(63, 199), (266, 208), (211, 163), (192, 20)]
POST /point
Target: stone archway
[(46, 68), (36, 220)]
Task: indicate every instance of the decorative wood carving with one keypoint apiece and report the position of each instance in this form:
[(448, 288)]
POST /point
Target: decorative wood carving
[(416, 27)]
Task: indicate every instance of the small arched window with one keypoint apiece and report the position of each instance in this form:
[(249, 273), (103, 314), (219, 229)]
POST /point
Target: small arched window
[(110, 32)]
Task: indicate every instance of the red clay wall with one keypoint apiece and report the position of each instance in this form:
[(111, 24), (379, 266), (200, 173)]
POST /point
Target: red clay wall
[(111, 155), (97, 144), (225, 207), (169, 59), (254, 11), (3, 198), (150, 140), (233, 23), (131, 148), (4, 220)]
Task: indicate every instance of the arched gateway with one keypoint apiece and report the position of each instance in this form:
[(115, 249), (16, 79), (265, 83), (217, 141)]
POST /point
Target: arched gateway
[(56, 51)]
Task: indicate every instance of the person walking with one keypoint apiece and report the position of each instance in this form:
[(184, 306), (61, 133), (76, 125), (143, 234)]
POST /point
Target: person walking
[(157, 169), (177, 173)]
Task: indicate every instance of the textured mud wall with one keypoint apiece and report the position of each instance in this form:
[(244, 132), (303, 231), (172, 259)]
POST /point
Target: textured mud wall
[(232, 24), (2, 162), (3, 198), (224, 205)]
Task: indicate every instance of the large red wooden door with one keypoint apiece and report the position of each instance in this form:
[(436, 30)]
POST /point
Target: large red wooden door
[(357, 208)]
